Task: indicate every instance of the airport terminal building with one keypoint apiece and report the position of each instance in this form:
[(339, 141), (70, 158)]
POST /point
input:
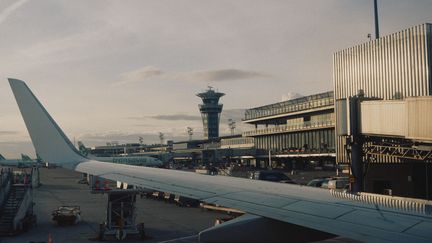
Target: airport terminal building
[(300, 130)]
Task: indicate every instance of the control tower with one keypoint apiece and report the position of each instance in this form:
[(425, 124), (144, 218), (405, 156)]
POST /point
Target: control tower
[(210, 112)]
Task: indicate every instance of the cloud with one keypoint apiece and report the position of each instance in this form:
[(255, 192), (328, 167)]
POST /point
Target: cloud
[(291, 96), (139, 75), (10, 9), (13, 149), (221, 75), (8, 133), (173, 117), (176, 117), (63, 49)]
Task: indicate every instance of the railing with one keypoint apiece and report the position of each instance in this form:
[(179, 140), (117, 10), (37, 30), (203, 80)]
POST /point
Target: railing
[(5, 185), (400, 203), (288, 128), (22, 210), (326, 150), (233, 142), (5, 175)]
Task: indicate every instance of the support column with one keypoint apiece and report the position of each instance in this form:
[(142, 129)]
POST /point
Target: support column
[(356, 143)]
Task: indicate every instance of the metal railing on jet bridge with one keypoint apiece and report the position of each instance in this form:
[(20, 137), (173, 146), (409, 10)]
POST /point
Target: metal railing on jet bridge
[(400, 203)]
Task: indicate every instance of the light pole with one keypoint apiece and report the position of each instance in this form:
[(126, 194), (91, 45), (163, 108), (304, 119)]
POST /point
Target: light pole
[(231, 125), (189, 132), (161, 137), (376, 19)]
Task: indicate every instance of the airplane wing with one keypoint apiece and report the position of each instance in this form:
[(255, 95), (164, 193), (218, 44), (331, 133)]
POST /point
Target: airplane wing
[(308, 207)]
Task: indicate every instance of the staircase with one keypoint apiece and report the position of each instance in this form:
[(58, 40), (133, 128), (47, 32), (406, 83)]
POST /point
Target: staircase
[(10, 209)]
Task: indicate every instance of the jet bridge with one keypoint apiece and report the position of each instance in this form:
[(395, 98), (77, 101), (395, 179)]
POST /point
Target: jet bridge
[(408, 119), (392, 130)]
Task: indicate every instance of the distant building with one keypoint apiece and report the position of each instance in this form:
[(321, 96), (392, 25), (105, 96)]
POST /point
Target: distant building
[(210, 112), (301, 129), (112, 150)]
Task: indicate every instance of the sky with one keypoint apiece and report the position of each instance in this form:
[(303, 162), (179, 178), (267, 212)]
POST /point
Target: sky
[(116, 70)]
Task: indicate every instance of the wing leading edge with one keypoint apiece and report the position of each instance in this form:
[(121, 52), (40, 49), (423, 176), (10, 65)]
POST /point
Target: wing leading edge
[(305, 206)]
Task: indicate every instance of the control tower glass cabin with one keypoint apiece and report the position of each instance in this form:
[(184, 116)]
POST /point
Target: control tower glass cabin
[(210, 112)]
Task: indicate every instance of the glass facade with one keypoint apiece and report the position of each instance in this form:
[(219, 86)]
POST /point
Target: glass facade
[(315, 141), (304, 125), (309, 125)]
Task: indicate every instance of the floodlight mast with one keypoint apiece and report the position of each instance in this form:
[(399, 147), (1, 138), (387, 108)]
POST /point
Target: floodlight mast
[(161, 137), (231, 125), (376, 19)]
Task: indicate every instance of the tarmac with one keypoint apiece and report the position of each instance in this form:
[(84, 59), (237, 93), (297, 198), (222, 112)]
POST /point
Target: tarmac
[(163, 221)]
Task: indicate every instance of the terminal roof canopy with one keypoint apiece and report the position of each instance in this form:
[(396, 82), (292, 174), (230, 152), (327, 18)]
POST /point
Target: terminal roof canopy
[(255, 115)]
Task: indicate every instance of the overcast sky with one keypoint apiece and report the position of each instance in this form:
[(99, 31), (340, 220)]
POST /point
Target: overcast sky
[(116, 70)]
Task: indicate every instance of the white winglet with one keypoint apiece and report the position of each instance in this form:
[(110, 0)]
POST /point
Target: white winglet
[(48, 139)]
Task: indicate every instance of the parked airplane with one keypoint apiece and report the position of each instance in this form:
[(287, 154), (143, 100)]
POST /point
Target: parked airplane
[(25, 161), (128, 160), (276, 212)]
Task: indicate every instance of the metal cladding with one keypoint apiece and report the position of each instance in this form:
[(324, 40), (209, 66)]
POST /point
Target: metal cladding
[(409, 118), (389, 118), (210, 112), (419, 126), (392, 67)]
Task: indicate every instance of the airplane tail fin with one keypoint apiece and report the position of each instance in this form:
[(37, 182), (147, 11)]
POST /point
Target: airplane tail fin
[(49, 141), (25, 157), (2, 158), (82, 149)]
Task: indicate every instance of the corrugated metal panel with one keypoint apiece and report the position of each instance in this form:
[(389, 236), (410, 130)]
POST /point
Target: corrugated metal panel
[(419, 118), (383, 118), (397, 65)]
